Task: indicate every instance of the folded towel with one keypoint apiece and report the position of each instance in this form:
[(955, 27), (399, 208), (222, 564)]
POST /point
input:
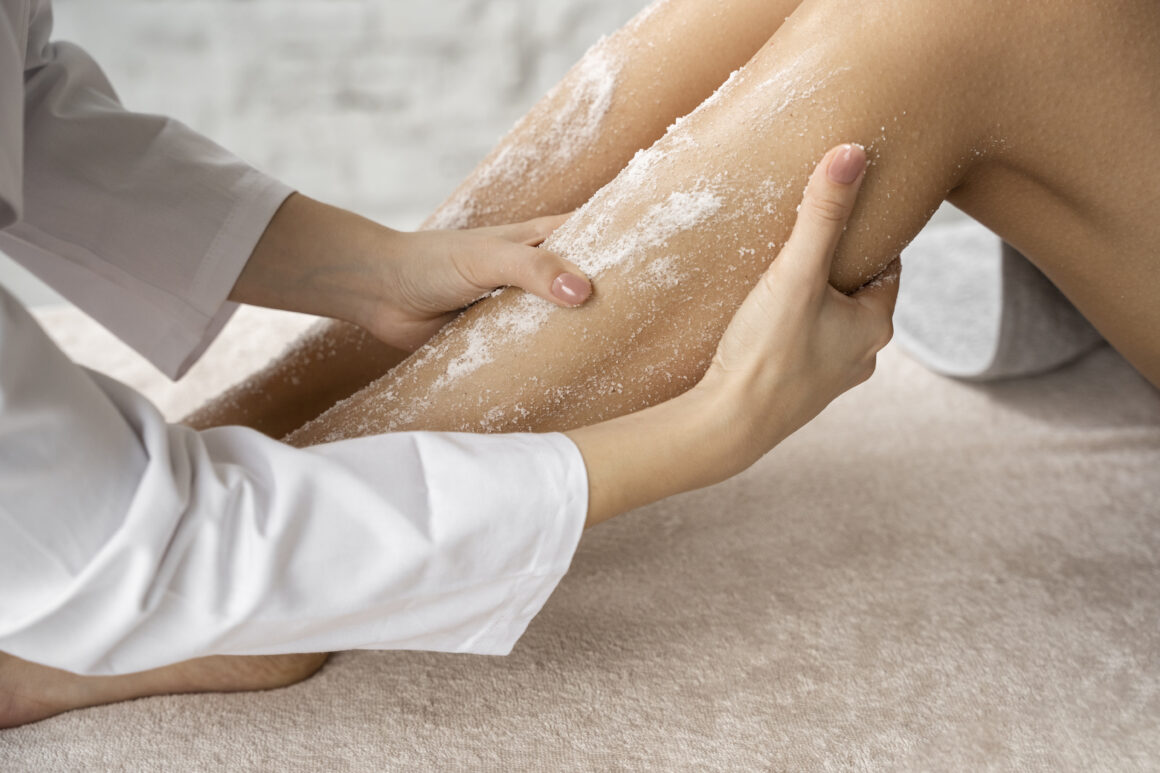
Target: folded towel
[(972, 307)]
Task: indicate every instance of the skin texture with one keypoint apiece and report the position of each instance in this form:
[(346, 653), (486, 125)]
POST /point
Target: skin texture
[(1039, 126), (636, 344), (794, 344)]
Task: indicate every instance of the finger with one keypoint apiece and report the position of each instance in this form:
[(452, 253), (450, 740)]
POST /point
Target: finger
[(530, 232), (539, 271), (878, 298), (825, 209)]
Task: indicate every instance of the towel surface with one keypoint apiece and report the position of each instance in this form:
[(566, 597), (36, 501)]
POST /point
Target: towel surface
[(972, 307), (934, 575)]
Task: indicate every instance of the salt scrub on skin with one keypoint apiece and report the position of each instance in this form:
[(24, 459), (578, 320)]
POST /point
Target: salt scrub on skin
[(575, 126), (520, 319), (585, 241), (545, 150), (540, 146), (891, 275), (798, 81), (582, 243), (741, 215)]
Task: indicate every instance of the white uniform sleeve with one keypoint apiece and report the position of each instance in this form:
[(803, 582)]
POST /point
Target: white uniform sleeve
[(127, 543), (134, 218)]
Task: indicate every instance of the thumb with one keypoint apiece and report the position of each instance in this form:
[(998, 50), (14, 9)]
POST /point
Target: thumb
[(539, 271), (825, 209)]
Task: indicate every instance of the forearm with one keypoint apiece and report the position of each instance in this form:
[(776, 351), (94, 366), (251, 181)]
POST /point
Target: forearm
[(168, 544), (686, 443), (317, 259)]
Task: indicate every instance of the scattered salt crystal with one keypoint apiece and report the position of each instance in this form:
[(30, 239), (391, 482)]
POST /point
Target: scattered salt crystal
[(661, 273), (540, 146), (523, 317), (637, 21), (795, 86), (581, 238)]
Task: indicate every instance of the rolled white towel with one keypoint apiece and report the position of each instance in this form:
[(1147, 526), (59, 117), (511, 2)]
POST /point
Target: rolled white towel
[(972, 307)]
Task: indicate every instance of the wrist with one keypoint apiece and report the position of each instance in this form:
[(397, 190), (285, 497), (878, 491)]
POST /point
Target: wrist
[(695, 440), (725, 430), (317, 259)]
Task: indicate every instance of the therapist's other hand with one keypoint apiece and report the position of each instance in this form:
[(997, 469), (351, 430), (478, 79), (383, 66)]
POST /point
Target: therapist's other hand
[(794, 345), (400, 286)]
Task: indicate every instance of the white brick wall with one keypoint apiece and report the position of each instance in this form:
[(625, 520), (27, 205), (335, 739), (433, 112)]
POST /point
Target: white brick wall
[(380, 106)]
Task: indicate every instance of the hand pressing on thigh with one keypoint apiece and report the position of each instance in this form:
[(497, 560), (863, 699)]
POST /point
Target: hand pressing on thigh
[(795, 344)]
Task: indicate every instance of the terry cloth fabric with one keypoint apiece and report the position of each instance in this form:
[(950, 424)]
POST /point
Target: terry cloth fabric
[(933, 575), (972, 307)]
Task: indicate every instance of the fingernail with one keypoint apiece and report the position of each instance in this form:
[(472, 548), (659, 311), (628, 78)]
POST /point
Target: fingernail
[(571, 289), (847, 164)]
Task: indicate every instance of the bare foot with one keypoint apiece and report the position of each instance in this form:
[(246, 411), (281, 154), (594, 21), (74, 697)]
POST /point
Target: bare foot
[(31, 692)]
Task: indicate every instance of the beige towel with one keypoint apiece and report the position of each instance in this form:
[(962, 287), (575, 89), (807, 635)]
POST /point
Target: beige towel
[(932, 576)]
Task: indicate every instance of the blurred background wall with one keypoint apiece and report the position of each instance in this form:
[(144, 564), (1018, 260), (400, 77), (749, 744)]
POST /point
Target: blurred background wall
[(380, 106)]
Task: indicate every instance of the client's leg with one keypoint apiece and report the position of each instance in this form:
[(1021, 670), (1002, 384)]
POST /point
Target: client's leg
[(947, 101), (618, 99), (676, 240)]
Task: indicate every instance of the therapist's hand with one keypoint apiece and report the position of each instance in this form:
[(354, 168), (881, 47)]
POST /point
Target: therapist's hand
[(400, 286), (795, 344), (437, 273)]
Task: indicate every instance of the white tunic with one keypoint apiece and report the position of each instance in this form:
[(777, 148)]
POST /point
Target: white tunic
[(128, 543)]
